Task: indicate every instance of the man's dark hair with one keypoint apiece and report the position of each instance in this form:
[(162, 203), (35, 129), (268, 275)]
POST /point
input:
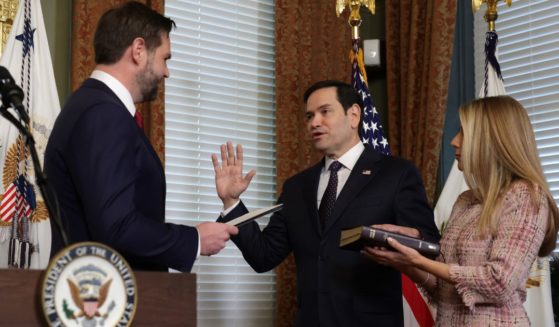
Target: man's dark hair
[(347, 96), (119, 26)]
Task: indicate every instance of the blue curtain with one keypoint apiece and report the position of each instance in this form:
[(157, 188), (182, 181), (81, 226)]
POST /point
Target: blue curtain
[(461, 85)]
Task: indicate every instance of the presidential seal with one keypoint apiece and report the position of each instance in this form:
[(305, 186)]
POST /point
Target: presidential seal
[(89, 284)]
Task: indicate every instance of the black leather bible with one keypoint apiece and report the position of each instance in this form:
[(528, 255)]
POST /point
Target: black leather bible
[(358, 237)]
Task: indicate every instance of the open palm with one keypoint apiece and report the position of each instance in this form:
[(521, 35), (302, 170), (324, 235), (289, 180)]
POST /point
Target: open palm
[(229, 180)]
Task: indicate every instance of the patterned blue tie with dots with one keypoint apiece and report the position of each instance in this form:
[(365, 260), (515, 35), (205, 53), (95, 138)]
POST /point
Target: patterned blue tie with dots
[(329, 197)]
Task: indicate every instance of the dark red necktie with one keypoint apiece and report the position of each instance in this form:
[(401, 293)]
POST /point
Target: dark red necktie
[(138, 118), (329, 197)]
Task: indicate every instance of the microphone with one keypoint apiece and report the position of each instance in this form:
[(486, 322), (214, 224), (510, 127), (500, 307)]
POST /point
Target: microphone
[(12, 94)]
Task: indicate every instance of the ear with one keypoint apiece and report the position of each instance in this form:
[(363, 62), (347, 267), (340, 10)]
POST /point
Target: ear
[(139, 51), (354, 112)]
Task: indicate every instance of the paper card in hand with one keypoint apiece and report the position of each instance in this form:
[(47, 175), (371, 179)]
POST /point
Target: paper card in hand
[(239, 221)]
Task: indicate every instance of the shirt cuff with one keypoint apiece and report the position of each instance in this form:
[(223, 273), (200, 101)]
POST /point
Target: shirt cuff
[(226, 212), (199, 244)]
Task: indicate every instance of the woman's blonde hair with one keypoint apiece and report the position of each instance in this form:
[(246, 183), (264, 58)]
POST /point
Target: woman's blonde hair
[(498, 148)]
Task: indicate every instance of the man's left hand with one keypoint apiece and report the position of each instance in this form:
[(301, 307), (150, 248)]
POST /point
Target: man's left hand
[(408, 231)]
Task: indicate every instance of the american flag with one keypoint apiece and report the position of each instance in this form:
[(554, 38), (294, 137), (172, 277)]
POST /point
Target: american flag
[(416, 310), (27, 57), (18, 197), (372, 128)]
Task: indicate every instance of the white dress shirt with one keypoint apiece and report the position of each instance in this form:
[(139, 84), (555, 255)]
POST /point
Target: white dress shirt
[(348, 161), (117, 87)]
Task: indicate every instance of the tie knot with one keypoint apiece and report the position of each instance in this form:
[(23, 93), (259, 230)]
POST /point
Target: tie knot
[(335, 166)]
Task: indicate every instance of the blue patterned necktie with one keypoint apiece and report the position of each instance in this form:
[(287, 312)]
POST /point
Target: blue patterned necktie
[(329, 197)]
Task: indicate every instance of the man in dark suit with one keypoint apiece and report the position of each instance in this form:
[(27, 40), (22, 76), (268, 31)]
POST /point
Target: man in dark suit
[(336, 287), (107, 177)]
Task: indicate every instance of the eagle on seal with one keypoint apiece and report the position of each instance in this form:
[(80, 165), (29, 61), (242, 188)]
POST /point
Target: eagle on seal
[(87, 299)]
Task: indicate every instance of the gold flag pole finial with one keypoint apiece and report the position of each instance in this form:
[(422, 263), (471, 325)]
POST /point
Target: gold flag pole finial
[(491, 14), (354, 17), (8, 9)]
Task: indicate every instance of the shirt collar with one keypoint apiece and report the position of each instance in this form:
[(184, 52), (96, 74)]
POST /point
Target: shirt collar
[(117, 87), (348, 159)]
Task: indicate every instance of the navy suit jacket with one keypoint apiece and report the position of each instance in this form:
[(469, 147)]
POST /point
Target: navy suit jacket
[(110, 183), (338, 287)]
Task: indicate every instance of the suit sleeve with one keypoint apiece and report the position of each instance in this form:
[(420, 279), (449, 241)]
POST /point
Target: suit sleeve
[(107, 156), (411, 206), (263, 250)]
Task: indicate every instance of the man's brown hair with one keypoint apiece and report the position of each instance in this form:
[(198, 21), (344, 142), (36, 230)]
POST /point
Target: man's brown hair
[(119, 26)]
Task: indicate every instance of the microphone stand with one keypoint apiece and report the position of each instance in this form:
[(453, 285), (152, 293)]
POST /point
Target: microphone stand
[(40, 178)]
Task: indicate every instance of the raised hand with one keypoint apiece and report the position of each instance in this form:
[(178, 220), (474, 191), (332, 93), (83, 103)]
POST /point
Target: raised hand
[(229, 180)]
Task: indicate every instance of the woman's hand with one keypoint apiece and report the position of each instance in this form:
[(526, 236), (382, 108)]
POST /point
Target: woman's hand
[(403, 258)]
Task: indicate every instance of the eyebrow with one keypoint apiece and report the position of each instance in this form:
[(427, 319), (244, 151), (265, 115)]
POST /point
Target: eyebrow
[(324, 106)]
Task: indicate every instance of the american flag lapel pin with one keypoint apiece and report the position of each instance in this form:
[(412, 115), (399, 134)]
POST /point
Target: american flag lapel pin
[(366, 172)]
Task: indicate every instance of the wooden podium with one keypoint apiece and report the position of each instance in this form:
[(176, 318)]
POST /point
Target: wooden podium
[(164, 299)]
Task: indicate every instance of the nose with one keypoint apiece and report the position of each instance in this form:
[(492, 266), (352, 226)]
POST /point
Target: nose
[(455, 143), (315, 121)]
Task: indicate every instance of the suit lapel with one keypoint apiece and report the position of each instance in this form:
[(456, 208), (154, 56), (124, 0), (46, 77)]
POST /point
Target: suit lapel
[(310, 189), (151, 150), (96, 84), (363, 172)]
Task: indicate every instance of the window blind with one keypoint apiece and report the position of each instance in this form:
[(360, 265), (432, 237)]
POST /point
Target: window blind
[(221, 87), (529, 57)]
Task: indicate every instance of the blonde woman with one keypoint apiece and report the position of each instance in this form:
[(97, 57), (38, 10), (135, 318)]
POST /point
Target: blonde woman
[(496, 229)]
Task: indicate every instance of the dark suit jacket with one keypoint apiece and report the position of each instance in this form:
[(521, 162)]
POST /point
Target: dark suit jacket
[(340, 287), (110, 183)]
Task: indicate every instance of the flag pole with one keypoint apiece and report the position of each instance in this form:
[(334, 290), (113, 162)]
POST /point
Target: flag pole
[(415, 310), (538, 299), (354, 17), (491, 14)]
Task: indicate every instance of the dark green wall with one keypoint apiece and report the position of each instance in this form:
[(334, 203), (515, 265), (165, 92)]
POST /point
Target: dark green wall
[(57, 15), (461, 88)]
